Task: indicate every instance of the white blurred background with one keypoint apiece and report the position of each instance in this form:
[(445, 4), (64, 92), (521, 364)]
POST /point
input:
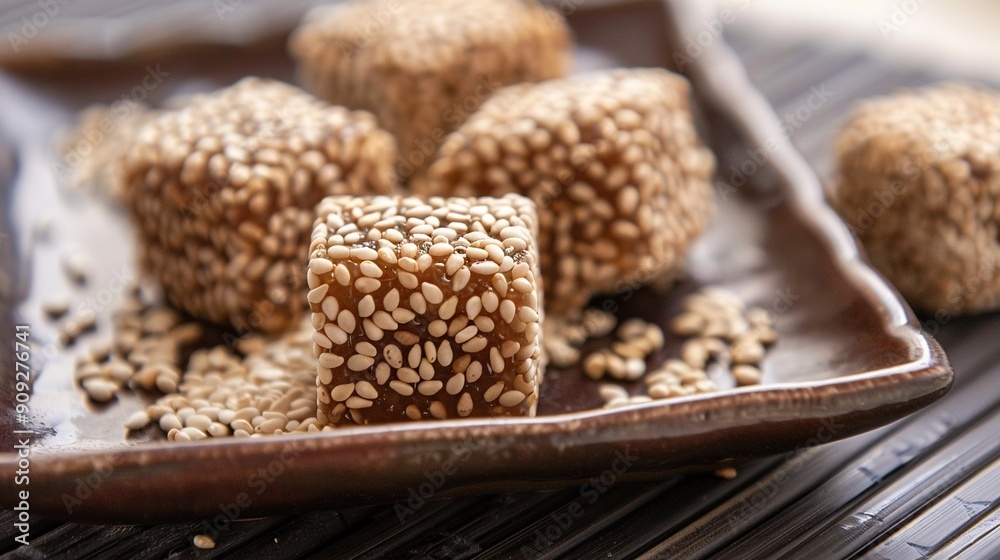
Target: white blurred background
[(957, 36)]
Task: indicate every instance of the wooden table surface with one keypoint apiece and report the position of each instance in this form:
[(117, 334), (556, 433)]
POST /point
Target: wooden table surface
[(926, 486)]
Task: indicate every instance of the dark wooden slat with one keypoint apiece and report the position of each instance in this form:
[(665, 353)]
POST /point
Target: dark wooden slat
[(851, 529), (297, 536), (512, 513), (38, 527), (636, 531), (776, 490), (154, 542), (987, 546), (989, 523), (594, 507), (384, 530), (919, 435), (953, 514)]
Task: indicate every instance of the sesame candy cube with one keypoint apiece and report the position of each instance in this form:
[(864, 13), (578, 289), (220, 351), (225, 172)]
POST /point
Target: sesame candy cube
[(425, 308), (612, 160), (918, 183), (223, 191), (423, 67)]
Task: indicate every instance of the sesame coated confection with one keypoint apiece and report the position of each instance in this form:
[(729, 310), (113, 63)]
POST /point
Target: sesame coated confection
[(425, 308), (423, 67), (919, 180), (223, 192), (611, 159)]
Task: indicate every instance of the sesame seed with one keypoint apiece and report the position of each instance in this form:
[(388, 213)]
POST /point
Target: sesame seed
[(461, 279), (484, 267), (438, 410), (413, 358), (444, 353), (400, 316), (321, 340), (412, 412), (432, 293), (466, 334), (496, 360), (509, 348), (367, 285), (477, 254), (426, 369), (391, 301), (408, 280), (393, 355), (364, 254), (406, 338), (473, 306), (499, 282), (465, 405), (430, 351), (331, 307), (490, 302), (430, 387), (366, 306), (358, 402), (317, 294), (366, 349), (338, 252), (407, 375), (454, 262), (372, 331), (358, 362), (473, 372), (329, 360), (527, 314), (370, 269), (366, 390), (341, 392), (320, 266), (342, 275), (336, 334), (346, 321), (475, 345), (507, 310), (455, 384), (448, 308), (521, 285), (493, 392), (401, 388), (417, 303), (511, 398), (437, 328)]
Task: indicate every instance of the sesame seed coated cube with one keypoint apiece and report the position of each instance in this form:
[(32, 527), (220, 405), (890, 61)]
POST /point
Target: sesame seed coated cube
[(425, 308), (611, 159), (223, 193), (919, 180), (423, 67)]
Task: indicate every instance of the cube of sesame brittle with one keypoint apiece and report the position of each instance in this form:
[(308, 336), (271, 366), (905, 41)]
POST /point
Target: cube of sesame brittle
[(614, 163), (425, 308), (222, 192)]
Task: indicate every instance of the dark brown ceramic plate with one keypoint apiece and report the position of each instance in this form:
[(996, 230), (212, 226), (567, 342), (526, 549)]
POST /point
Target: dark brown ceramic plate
[(851, 356)]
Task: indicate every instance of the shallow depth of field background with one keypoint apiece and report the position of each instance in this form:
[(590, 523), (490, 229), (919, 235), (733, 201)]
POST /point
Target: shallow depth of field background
[(956, 36)]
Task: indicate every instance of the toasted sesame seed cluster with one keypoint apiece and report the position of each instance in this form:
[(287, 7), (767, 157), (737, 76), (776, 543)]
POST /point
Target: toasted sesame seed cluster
[(718, 329), (611, 159), (425, 308), (423, 67), (223, 193), (919, 180)]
